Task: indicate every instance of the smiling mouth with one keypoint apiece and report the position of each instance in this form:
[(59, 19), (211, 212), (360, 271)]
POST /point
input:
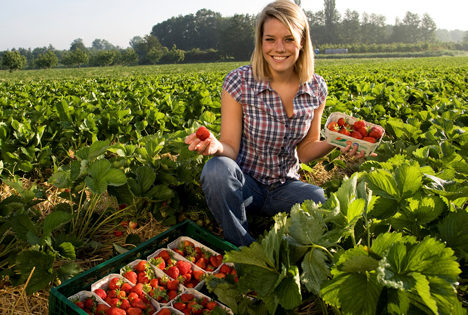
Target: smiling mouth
[(279, 58)]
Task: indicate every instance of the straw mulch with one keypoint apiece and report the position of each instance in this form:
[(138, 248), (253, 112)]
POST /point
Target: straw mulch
[(13, 300)]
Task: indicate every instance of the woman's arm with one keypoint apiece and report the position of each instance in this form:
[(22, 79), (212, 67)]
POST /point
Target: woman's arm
[(231, 131)]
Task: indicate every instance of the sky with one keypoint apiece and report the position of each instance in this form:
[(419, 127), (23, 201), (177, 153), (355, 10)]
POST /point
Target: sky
[(35, 23)]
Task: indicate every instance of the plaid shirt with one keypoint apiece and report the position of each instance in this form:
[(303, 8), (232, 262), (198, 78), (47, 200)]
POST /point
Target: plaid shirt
[(269, 137)]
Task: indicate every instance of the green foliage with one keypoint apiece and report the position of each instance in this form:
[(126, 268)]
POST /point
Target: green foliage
[(13, 60)]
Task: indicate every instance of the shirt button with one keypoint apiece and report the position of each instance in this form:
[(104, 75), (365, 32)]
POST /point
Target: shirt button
[(286, 125)]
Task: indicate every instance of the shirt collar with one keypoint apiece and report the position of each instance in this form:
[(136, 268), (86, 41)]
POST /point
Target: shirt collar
[(265, 85)]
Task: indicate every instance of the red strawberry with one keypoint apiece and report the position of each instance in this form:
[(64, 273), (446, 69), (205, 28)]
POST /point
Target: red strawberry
[(143, 277), (369, 139), (132, 296), (184, 267), (126, 287), (333, 126), (114, 283), (225, 269), (134, 311), (101, 293), (140, 266), (115, 302), (124, 223), (211, 305), (138, 288), (164, 311), (101, 309), (376, 132), (178, 251), (154, 282), (173, 285), (201, 263), (164, 254), (118, 233), (115, 311), (80, 304), (172, 295), (139, 304), (89, 303), (362, 131), (130, 274), (216, 260), (197, 274), (345, 131), (125, 305), (179, 306), (159, 262), (342, 122), (186, 297), (359, 124), (173, 272), (202, 133), (356, 134)]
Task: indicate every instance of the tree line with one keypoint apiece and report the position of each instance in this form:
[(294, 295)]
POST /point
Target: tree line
[(207, 36)]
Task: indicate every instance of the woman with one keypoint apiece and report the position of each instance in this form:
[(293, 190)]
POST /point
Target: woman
[(271, 114)]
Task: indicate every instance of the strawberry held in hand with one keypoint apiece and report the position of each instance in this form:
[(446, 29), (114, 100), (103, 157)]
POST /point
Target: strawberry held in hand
[(202, 133)]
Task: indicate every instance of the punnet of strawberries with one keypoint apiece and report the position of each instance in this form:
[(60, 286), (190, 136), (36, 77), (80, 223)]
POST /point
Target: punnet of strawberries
[(190, 304), (90, 305), (124, 298), (199, 255), (360, 129), (177, 269)]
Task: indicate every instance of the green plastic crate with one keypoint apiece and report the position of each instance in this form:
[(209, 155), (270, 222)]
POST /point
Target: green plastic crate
[(59, 304)]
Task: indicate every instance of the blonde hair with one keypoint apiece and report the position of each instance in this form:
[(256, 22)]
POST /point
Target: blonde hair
[(292, 16)]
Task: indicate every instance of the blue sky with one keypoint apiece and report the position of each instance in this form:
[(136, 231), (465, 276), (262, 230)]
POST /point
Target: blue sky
[(34, 23)]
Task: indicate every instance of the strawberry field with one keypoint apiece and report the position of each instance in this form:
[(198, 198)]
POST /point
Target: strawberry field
[(101, 147)]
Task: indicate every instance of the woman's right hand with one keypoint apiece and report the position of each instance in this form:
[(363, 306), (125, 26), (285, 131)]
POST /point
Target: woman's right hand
[(209, 146)]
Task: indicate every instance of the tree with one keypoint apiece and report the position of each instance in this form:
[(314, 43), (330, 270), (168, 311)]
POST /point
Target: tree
[(332, 18), (318, 31), (13, 60), (77, 44), (154, 55), (465, 37), (104, 57), (238, 38), (129, 56), (373, 28), (428, 28), (47, 60), (350, 28), (174, 55)]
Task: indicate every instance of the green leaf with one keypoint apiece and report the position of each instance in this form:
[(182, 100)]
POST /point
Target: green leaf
[(315, 270), (21, 225), (68, 270), (54, 220), (115, 177), (98, 187), (253, 255), (261, 280), (60, 179), (98, 169), (357, 259), (355, 293), (454, 230), (67, 250), (43, 273), (289, 289), (409, 180), (382, 183)]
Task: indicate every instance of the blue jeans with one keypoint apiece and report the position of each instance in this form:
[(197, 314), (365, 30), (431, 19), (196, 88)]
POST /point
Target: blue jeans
[(231, 195)]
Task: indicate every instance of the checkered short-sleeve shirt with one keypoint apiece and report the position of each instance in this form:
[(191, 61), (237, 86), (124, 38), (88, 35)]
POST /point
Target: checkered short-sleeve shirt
[(269, 137)]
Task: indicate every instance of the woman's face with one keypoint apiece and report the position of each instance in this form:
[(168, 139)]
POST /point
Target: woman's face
[(280, 48)]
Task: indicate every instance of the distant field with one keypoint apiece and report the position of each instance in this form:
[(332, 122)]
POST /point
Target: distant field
[(132, 71)]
